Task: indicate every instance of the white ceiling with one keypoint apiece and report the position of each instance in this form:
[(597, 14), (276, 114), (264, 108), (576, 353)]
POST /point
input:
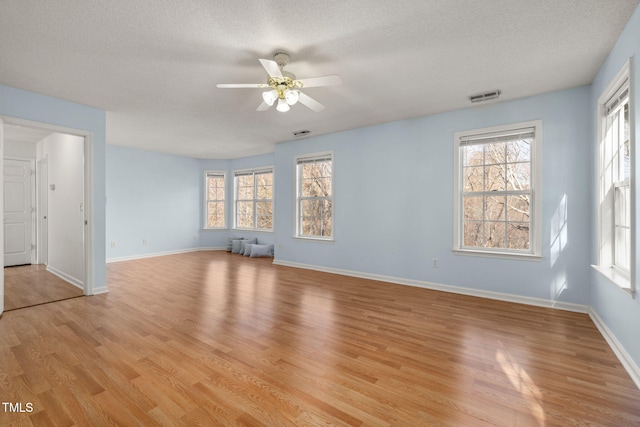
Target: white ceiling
[(153, 65)]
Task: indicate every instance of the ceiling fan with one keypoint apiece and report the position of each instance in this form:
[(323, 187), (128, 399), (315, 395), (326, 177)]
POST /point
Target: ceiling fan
[(284, 87)]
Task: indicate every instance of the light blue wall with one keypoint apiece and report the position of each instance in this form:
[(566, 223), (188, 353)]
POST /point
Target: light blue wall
[(151, 196), (618, 310), (26, 105), (394, 200)]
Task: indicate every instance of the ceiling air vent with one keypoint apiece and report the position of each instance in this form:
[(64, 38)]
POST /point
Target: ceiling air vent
[(301, 133), (486, 96)]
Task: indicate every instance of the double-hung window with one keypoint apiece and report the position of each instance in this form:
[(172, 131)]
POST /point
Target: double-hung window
[(254, 199), (615, 166), (214, 183), (314, 196), (497, 203)]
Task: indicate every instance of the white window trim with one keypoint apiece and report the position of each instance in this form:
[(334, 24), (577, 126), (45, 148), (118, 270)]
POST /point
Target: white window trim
[(206, 199), (535, 252), (626, 282), (297, 225), (235, 197)]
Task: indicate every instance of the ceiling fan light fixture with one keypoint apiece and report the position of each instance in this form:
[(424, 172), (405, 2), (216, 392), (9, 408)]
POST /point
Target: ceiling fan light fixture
[(291, 96), (282, 107), (270, 97)]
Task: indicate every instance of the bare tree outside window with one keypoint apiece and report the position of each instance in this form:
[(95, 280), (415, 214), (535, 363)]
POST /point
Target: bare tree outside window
[(315, 197), (215, 199), (496, 191), (254, 199)]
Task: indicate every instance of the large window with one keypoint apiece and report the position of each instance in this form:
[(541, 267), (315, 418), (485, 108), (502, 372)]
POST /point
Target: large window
[(615, 146), (314, 195), (214, 182), (497, 190), (254, 199)]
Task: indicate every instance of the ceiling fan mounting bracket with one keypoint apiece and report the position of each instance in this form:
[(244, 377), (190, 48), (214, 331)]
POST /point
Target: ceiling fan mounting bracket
[(281, 59)]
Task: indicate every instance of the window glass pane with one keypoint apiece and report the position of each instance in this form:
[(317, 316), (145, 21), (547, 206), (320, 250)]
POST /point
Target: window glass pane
[(265, 222), (473, 155), (494, 208), (472, 232), (473, 208), (473, 179), (494, 234), (244, 214), (215, 214), (518, 235), (518, 176), (316, 187), (518, 207), (494, 153), (494, 178), (519, 151)]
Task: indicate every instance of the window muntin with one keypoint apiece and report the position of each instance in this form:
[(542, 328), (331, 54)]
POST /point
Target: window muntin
[(315, 197), (615, 183), (254, 199), (214, 199), (496, 190)]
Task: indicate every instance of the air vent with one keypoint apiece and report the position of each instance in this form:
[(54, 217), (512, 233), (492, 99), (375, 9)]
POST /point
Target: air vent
[(301, 133), (480, 97)]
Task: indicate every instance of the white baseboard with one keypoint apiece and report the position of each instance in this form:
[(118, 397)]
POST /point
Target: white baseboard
[(445, 288), (631, 367), (67, 278), (100, 290), (156, 254)]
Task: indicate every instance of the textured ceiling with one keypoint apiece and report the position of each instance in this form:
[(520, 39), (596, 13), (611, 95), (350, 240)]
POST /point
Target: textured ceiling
[(154, 64)]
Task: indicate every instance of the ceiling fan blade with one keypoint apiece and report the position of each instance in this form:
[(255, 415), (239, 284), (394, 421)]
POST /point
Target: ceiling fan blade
[(310, 102), (272, 68), (331, 80), (263, 107), (241, 85)]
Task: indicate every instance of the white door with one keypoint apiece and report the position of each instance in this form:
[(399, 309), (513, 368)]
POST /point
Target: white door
[(18, 211)]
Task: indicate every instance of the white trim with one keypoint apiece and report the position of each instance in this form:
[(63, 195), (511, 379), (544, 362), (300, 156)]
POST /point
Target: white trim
[(627, 361), (164, 253), (64, 276), (535, 220), (625, 73), (296, 195), (539, 302), (88, 188), (100, 290), (253, 171), (205, 205)]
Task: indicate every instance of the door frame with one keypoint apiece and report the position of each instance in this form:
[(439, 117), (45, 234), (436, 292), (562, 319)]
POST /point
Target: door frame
[(88, 191)]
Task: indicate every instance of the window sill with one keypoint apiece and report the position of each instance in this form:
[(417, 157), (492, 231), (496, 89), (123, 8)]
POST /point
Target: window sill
[(501, 255), (252, 230), (315, 239), (216, 229), (619, 279)]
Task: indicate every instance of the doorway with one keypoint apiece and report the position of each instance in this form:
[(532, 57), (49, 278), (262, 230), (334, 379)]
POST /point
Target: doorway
[(44, 216)]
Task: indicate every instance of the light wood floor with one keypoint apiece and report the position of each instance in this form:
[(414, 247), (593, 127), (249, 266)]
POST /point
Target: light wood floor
[(28, 285), (210, 338)]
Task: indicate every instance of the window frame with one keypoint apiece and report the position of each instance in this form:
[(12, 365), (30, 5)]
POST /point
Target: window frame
[(624, 278), (207, 174), (253, 171), (298, 198), (535, 203)]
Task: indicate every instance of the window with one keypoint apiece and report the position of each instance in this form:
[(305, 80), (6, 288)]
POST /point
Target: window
[(314, 196), (497, 209), (214, 182), (254, 199), (615, 191)]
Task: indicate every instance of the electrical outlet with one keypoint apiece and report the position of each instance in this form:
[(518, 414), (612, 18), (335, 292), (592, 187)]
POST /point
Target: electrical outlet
[(279, 247), (195, 237), (435, 263), (113, 244), (144, 241)]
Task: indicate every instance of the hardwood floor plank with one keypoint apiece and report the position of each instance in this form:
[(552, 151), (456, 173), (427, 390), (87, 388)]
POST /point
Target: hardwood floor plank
[(210, 338)]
